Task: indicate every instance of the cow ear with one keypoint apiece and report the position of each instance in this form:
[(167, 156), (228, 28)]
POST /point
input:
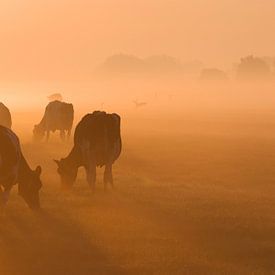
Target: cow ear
[(57, 162), (38, 170)]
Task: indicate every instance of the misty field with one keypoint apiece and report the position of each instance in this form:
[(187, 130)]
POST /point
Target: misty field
[(194, 188), (192, 196)]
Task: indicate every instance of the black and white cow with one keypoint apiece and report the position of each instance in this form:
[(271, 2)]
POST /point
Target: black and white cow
[(5, 116), (58, 116), (14, 169), (97, 142)]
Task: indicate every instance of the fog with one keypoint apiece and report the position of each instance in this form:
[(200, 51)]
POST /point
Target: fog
[(194, 184), (167, 100), (193, 83), (65, 40)]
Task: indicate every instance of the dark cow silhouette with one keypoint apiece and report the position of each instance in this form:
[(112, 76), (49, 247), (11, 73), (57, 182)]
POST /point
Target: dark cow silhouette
[(97, 142), (5, 116), (15, 169), (58, 116)]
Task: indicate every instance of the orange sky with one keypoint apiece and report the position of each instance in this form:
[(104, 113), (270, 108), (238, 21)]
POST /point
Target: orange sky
[(60, 38)]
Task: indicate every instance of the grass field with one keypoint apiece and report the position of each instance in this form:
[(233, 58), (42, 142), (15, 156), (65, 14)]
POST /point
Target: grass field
[(195, 198)]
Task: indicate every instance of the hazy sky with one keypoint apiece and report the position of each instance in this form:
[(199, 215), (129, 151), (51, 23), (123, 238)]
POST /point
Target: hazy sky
[(58, 38)]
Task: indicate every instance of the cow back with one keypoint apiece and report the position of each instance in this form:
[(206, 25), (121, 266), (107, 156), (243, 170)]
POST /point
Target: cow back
[(5, 116), (102, 132), (58, 116)]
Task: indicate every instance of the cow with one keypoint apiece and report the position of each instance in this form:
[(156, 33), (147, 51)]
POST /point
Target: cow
[(14, 169), (58, 116), (5, 116), (97, 142)]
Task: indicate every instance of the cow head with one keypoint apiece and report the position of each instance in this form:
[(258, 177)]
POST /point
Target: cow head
[(38, 133), (67, 172), (29, 189)]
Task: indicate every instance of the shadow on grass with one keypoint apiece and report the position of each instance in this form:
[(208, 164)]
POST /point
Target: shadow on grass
[(44, 244)]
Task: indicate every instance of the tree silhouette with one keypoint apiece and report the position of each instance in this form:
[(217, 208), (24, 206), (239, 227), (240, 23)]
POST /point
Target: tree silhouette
[(252, 67)]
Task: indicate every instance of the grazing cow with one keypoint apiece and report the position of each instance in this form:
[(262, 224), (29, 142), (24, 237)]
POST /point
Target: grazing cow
[(5, 116), (58, 116), (15, 169), (97, 142)]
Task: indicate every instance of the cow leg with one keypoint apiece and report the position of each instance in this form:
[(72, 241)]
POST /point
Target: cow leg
[(48, 135), (69, 134), (91, 175), (108, 176), (2, 209), (1, 198), (62, 135), (4, 196)]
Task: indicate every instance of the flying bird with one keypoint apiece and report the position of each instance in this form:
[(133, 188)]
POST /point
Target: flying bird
[(139, 104)]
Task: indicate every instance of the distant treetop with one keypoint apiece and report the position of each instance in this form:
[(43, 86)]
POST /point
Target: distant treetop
[(251, 67), (123, 63)]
